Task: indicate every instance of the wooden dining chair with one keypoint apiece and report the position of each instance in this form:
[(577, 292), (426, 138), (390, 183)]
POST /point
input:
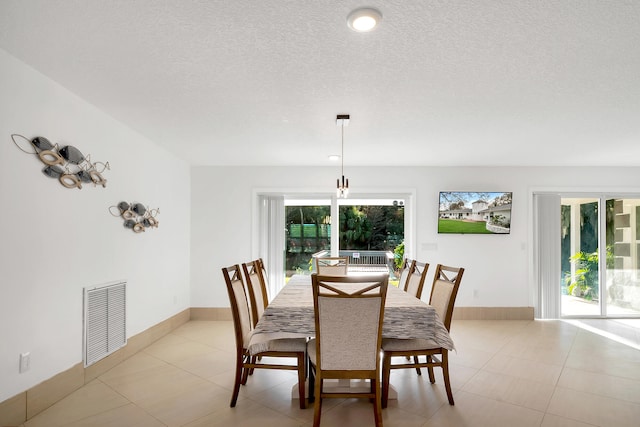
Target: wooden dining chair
[(289, 348), (256, 285), (405, 271), (332, 266), (444, 290), (416, 278), (413, 286), (257, 288), (349, 311)]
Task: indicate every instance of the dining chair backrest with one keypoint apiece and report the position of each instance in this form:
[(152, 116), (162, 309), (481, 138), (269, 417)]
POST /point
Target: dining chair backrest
[(256, 286), (405, 270), (332, 266), (415, 280), (239, 305), (349, 312), (444, 290), (265, 276)]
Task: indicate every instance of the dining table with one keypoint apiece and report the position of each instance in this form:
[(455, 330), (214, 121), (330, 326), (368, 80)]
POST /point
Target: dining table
[(291, 315)]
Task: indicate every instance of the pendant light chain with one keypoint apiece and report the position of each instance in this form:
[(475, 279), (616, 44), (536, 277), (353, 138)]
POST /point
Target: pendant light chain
[(343, 185), (342, 154)]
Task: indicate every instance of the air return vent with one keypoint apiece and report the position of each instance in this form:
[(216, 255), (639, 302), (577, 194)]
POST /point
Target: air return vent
[(105, 321)]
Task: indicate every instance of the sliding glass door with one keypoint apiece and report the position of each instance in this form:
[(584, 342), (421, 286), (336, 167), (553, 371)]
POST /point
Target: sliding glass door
[(356, 227), (307, 230), (600, 256), (622, 291), (579, 257)]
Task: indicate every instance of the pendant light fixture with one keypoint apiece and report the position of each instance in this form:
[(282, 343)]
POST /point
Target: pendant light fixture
[(342, 190)]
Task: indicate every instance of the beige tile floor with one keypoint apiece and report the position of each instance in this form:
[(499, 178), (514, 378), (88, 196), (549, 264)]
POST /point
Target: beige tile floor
[(504, 373)]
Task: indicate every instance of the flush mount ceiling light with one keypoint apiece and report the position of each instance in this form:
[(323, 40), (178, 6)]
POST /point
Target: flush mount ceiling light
[(342, 190), (364, 19)]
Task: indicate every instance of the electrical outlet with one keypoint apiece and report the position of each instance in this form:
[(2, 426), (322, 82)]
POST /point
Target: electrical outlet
[(25, 362)]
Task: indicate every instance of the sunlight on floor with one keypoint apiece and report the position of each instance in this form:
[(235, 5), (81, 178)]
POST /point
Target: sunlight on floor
[(630, 323)]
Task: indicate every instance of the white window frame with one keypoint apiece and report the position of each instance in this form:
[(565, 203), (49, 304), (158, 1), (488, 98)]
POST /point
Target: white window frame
[(265, 245)]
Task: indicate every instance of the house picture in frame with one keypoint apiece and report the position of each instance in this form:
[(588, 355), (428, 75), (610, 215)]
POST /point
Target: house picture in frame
[(472, 212)]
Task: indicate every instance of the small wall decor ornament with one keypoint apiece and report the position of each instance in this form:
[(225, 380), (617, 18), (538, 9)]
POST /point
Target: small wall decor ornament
[(136, 216), (67, 163)]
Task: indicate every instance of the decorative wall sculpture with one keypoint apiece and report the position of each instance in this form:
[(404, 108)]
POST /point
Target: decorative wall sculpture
[(67, 163), (136, 216)]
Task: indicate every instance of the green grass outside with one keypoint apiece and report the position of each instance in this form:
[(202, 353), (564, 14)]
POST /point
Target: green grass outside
[(462, 227)]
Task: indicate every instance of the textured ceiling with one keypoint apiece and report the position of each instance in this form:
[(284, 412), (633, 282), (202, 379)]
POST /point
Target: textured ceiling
[(441, 82)]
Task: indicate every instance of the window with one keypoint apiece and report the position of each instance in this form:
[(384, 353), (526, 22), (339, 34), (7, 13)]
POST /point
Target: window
[(376, 224)]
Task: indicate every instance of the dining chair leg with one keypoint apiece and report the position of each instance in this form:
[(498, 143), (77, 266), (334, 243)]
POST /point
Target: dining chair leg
[(312, 382), (432, 377), (377, 403), (317, 407), (254, 359), (416, 361), (238, 380), (386, 372), (246, 371), (445, 374), (301, 379), (372, 390)]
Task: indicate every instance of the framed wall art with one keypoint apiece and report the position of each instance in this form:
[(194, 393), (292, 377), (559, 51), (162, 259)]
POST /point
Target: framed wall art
[(474, 212)]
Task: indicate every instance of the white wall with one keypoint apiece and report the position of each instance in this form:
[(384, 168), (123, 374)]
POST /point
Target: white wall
[(497, 266), (55, 240)]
